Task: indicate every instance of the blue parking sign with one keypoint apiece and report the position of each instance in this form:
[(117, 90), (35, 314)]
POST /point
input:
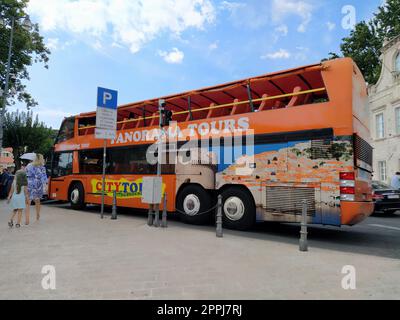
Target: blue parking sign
[(107, 98)]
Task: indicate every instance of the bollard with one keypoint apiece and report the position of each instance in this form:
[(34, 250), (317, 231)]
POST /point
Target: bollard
[(150, 216), (303, 245), (219, 218), (114, 206), (164, 213), (156, 221)]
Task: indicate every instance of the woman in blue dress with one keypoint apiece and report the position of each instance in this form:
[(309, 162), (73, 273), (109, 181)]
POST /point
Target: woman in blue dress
[(37, 179)]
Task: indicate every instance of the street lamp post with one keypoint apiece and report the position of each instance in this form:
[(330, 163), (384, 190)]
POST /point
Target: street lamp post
[(27, 25)]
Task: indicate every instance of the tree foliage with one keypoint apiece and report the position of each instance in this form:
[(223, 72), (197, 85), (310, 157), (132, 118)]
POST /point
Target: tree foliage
[(28, 48), (365, 41), (24, 133)]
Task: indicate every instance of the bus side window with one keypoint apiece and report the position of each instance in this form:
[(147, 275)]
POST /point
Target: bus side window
[(130, 160), (66, 131), (62, 164), (91, 161)]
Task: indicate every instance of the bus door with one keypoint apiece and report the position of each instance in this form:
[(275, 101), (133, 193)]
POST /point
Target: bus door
[(61, 168)]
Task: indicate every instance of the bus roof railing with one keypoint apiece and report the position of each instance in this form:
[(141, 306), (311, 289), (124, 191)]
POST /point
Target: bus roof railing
[(281, 96)]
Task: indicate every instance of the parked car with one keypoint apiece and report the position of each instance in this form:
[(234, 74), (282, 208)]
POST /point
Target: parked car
[(386, 198)]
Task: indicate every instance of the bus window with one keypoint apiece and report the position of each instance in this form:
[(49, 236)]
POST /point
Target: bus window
[(86, 122), (66, 131), (130, 160), (62, 164), (91, 161)]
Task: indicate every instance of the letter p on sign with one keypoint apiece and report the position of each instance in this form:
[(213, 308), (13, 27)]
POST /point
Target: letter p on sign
[(107, 98)]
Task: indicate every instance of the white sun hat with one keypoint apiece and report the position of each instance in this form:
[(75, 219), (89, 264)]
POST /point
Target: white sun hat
[(28, 156)]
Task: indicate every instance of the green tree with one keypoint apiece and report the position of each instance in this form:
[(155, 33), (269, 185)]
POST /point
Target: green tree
[(24, 133), (28, 47), (364, 47), (365, 41)]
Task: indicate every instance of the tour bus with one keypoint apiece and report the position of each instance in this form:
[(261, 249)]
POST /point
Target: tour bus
[(303, 135)]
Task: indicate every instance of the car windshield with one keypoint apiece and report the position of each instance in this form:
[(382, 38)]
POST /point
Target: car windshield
[(380, 185)]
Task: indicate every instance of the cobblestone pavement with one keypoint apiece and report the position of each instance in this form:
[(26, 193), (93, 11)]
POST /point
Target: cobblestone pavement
[(126, 259)]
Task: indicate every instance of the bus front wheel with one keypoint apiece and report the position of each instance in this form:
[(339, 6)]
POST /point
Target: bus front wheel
[(77, 196), (238, 209), (194, 204)]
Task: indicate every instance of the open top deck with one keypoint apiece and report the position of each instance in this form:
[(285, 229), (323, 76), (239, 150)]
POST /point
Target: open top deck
[(283, 89)]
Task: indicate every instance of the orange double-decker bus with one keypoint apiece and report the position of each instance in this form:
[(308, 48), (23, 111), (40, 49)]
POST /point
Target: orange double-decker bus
[(309, 141)]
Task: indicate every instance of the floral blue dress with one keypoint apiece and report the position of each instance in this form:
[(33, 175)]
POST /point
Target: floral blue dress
[(37, 178)]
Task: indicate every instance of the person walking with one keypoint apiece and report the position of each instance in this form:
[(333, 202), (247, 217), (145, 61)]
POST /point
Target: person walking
[(4, 183), (395, 183), (17, 196), (24, 163), (37, 178), (1, 179)]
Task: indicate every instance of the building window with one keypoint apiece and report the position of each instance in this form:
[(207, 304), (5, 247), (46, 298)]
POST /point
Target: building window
[(397, 119), (382, 170), (397, 63), (380, 126)]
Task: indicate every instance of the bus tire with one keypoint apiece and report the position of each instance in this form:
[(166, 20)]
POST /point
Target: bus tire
[(194, 199), (238, 209), (77, 196)]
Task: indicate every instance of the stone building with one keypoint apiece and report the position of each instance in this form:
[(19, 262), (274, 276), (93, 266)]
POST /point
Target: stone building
[(7, 159), (385, 113)]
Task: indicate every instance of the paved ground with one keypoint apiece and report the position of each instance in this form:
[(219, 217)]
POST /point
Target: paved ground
[(126, 259)]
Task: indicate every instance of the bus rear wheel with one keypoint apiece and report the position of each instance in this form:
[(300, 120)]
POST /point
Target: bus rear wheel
[(192, 203), (77, 196), (238, 209)]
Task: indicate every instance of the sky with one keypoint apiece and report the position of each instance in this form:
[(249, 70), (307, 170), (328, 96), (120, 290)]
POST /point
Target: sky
[(149, 48)]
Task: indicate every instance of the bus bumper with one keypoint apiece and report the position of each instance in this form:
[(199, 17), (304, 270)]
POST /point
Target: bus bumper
[(355, 212)]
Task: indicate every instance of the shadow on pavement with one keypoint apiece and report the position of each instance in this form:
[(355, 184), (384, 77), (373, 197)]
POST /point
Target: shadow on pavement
[(361, 238)]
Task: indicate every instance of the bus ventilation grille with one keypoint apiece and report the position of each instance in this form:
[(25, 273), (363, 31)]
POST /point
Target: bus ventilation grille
[(320, 149), (363, 151), (288, 199)]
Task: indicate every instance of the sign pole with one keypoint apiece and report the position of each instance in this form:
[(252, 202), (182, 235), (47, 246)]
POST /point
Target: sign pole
[(103, 177), (106, 126), (161, 104)]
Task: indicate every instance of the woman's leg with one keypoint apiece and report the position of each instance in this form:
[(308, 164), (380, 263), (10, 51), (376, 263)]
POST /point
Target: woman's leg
[(37, 205), (27, 211)]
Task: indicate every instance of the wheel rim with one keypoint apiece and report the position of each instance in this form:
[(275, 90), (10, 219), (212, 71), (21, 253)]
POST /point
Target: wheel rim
[(191, 204), (75, 196), (234, 208)]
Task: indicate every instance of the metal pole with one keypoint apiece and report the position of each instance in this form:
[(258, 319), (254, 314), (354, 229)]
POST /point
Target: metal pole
[(114, 206), (159, 154), (164, 213), (219, 218), (6, 86), (190, 108), (250, 97), (161, 103), (303, 245), (156, 221), (103, 178), (150, 216)]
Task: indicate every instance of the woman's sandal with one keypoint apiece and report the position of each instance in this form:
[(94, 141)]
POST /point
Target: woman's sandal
[(17, 225), (10, 223)]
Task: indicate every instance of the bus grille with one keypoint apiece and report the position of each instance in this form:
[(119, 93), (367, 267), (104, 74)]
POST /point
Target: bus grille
[(288, 199), (363, 151), (320, 149)]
